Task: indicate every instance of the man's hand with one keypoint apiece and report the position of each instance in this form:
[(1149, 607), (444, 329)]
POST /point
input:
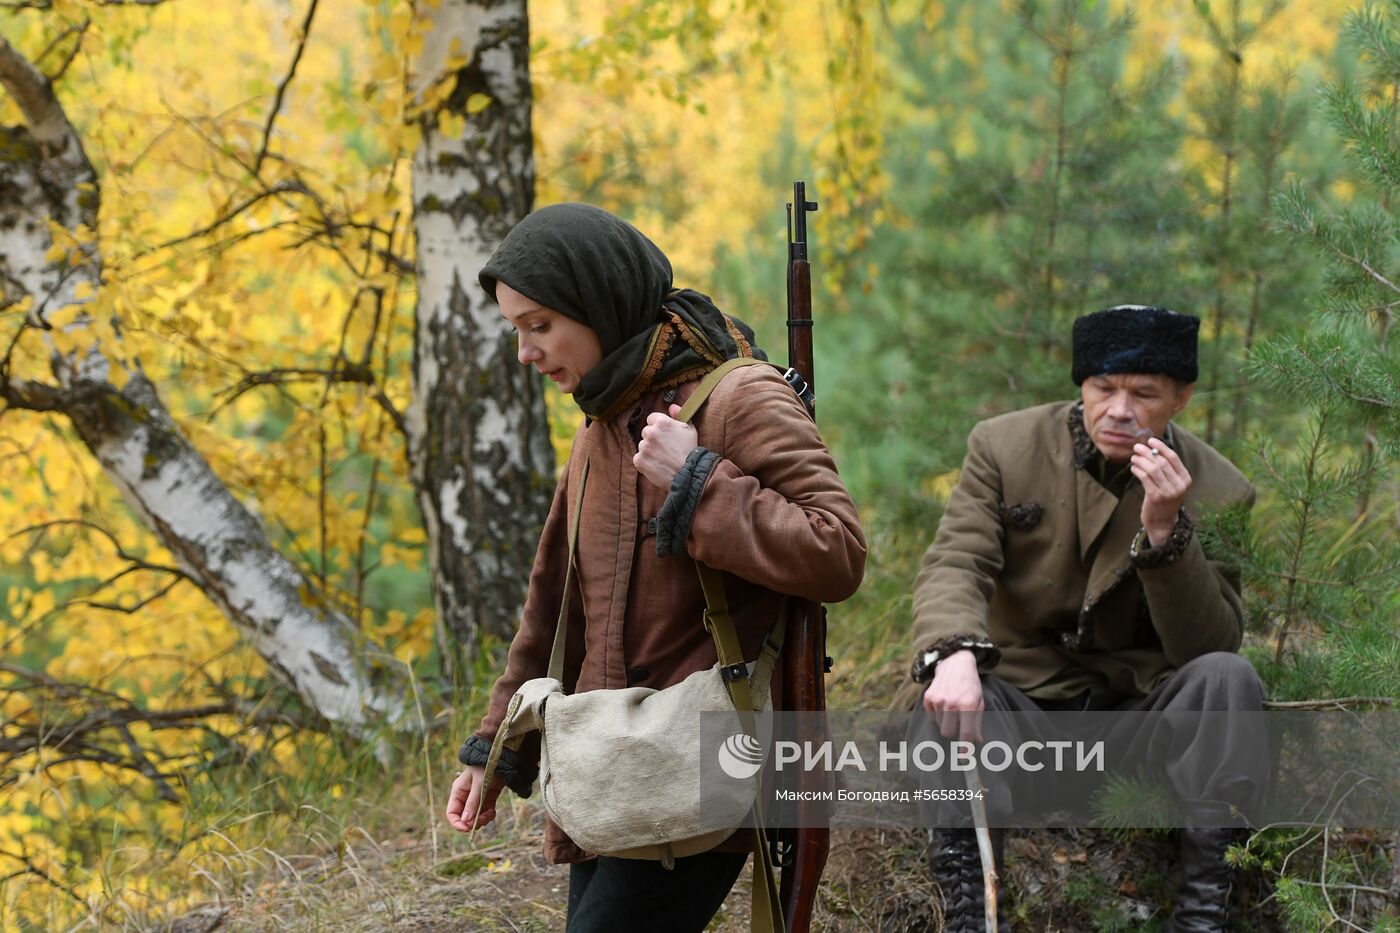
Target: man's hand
[(1164, 483), (954, 698), (665, 444), (466, 791)]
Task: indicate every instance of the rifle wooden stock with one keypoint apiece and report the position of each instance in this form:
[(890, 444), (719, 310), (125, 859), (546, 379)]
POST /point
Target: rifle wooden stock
[(804, 655), (804, 688)]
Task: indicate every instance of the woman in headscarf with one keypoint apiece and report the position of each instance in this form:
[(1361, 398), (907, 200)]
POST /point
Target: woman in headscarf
[(748, 488)]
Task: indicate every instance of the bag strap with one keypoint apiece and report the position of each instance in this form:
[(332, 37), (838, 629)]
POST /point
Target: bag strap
[(766, 907), (765, 902), (556, 653), (713, 379), (733, 670)]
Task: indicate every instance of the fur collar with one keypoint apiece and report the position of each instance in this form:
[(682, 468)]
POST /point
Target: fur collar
[(1084, 449)]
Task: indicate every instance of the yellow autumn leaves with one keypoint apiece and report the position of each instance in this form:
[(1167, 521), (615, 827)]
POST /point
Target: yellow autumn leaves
[(677, 119)]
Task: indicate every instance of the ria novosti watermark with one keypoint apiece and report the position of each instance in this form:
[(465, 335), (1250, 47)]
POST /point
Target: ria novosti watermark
[(927, 756), (1067, 769)]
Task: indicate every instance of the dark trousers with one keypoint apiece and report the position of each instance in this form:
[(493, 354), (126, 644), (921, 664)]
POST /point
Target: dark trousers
[(1207, 761), (620, 895)]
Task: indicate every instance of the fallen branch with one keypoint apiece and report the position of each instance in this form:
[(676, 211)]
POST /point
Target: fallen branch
[(1335, 703)]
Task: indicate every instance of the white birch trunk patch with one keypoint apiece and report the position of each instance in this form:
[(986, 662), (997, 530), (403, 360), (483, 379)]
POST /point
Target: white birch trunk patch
[(479, 446)]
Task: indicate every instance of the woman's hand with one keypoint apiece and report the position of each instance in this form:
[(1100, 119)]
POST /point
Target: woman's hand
[(665, 444), (462, 801)]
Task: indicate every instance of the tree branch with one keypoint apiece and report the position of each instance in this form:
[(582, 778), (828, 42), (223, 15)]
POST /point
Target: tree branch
[(29, 395), (53, 44), (48, 4), (136, 562), (135, 565), (134, 607), (98, 727), (31, 869), (72, 53), (282, 87), (34, 94), (282, 187), (1339, 703), (359, 373)]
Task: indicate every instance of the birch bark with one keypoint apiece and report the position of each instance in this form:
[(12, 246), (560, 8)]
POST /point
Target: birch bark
[(479, 446), (45, 176)]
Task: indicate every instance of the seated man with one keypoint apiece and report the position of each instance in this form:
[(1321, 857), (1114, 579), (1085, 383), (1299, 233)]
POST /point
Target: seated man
[(1067, 574)]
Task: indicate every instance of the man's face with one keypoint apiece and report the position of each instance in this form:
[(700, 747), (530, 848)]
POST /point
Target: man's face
[(1120, 409)]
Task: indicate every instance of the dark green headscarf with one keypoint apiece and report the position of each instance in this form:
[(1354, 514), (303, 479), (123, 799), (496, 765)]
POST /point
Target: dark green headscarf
[(598, 269)]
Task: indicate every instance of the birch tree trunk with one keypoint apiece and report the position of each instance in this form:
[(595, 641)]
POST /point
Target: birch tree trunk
[(479, 446), (45, 176)]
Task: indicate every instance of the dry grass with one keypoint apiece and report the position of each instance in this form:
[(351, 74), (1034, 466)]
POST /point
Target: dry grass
[(409, 882), (387, 861)]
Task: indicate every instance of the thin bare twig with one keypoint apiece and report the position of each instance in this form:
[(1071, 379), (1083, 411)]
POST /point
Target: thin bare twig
[(31, 869), (282, 87), (127, 609), (136, 562), (48, 4), (54, 42), (289, 186), (1337, 703), (344, 371), (72, 55)]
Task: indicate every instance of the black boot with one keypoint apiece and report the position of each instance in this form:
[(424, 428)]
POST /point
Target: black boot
[(956, 866), (1206, 880)]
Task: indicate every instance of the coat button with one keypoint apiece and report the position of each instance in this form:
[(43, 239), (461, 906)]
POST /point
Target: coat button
[(636, 675), (668, 396)]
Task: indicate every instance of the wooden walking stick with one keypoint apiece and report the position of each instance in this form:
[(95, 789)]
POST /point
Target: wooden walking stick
[(990, 880)]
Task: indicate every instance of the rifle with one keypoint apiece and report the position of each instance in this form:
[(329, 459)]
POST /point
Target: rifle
[(802, 851)]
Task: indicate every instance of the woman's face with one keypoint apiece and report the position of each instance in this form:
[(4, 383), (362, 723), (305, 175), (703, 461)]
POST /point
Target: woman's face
[(558, 346)]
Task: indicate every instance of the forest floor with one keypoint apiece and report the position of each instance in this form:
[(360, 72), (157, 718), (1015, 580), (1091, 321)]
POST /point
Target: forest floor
[(419, 876), (875, 881)]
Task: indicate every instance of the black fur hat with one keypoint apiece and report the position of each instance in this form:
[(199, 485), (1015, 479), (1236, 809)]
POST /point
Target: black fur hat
[(1135, 339)]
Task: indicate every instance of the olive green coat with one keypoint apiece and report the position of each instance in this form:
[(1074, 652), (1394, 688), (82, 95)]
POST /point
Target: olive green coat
[(1035, 555)]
